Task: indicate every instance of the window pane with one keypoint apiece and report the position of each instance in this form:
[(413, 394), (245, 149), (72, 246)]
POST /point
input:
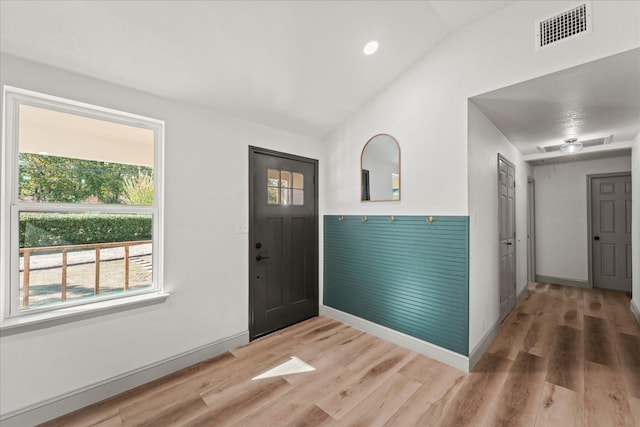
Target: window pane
[(298, 180), (68, 158), (273, 196), (273, 178), (67, 257), (298, 197), (286, 196), (285, 179)]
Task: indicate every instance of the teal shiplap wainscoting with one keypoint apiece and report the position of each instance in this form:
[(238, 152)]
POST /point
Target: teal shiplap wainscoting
[(402, 272)]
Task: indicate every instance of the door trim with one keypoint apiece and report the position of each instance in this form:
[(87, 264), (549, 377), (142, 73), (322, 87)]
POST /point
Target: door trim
[(590, 178), (531, 229), (253, 150)]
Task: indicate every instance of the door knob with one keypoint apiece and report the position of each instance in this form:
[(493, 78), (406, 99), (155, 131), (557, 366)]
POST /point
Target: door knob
[(596, 238), (260, 257)]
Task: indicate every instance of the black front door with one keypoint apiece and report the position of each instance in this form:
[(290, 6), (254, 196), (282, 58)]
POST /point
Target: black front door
[(283, 240)]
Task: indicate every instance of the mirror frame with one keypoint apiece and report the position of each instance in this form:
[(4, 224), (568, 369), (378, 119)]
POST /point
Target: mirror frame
[(399, 169)]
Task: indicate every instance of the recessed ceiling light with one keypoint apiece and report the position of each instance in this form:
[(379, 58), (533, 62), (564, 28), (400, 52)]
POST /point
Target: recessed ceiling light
[(371, 47)]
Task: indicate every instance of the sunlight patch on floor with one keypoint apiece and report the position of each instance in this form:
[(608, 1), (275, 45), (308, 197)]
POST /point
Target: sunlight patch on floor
[(292, 366)]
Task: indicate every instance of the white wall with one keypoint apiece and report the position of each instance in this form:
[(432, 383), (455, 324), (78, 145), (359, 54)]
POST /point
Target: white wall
[(485, 143), (206, 271), (426, 111), (635, 225), (562, 249)]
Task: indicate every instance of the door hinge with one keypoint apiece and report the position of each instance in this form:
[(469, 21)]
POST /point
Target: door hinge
[(314, 180)]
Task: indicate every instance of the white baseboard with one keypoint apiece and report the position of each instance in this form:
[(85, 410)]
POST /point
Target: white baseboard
[(69, 402), (430, 350), (635, 310), (563, 281), (524, 292), (485, 342)]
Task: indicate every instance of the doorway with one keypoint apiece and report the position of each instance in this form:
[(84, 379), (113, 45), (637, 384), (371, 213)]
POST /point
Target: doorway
[(610, 231), (506, 225), (283, 240)]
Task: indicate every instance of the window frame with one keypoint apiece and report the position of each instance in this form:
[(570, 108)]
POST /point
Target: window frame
[(10, 309), (289, 189)]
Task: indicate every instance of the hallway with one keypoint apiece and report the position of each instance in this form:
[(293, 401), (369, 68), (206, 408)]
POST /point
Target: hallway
[(578, 349)]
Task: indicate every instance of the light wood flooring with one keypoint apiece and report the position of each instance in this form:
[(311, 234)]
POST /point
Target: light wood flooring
[(564, 357)]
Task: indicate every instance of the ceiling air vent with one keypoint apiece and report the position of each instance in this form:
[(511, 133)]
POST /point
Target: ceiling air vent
[(589, 143), (563, 25)]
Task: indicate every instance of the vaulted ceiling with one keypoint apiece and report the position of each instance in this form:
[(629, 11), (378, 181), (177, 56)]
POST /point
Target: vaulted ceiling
[(293, 65)]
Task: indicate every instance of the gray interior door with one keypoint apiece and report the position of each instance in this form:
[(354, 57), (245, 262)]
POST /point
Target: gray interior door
[(611, 232), (283, 239), (507, 222)]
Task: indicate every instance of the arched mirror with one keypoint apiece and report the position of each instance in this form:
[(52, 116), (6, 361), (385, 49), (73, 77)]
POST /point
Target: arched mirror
[(380, 169)]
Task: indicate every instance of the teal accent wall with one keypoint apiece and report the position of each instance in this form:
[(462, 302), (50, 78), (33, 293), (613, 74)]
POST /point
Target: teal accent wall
[(410, 275)]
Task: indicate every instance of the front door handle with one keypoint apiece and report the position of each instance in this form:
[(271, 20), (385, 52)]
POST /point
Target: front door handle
[(260, 257), (596, 238)]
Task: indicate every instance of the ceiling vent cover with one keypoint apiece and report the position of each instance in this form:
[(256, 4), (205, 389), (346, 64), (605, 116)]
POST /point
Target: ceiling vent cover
[(563, 25), (586, 144)]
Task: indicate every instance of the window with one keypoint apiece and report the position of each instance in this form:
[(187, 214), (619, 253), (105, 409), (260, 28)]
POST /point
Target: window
[(81, 205), (285, 188)]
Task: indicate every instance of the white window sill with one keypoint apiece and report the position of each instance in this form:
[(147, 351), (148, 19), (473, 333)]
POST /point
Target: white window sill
[(35, 321)]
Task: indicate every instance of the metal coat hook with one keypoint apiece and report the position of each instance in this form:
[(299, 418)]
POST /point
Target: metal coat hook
[(341, 218), (365, 219), (392, 218), (430, 219)]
